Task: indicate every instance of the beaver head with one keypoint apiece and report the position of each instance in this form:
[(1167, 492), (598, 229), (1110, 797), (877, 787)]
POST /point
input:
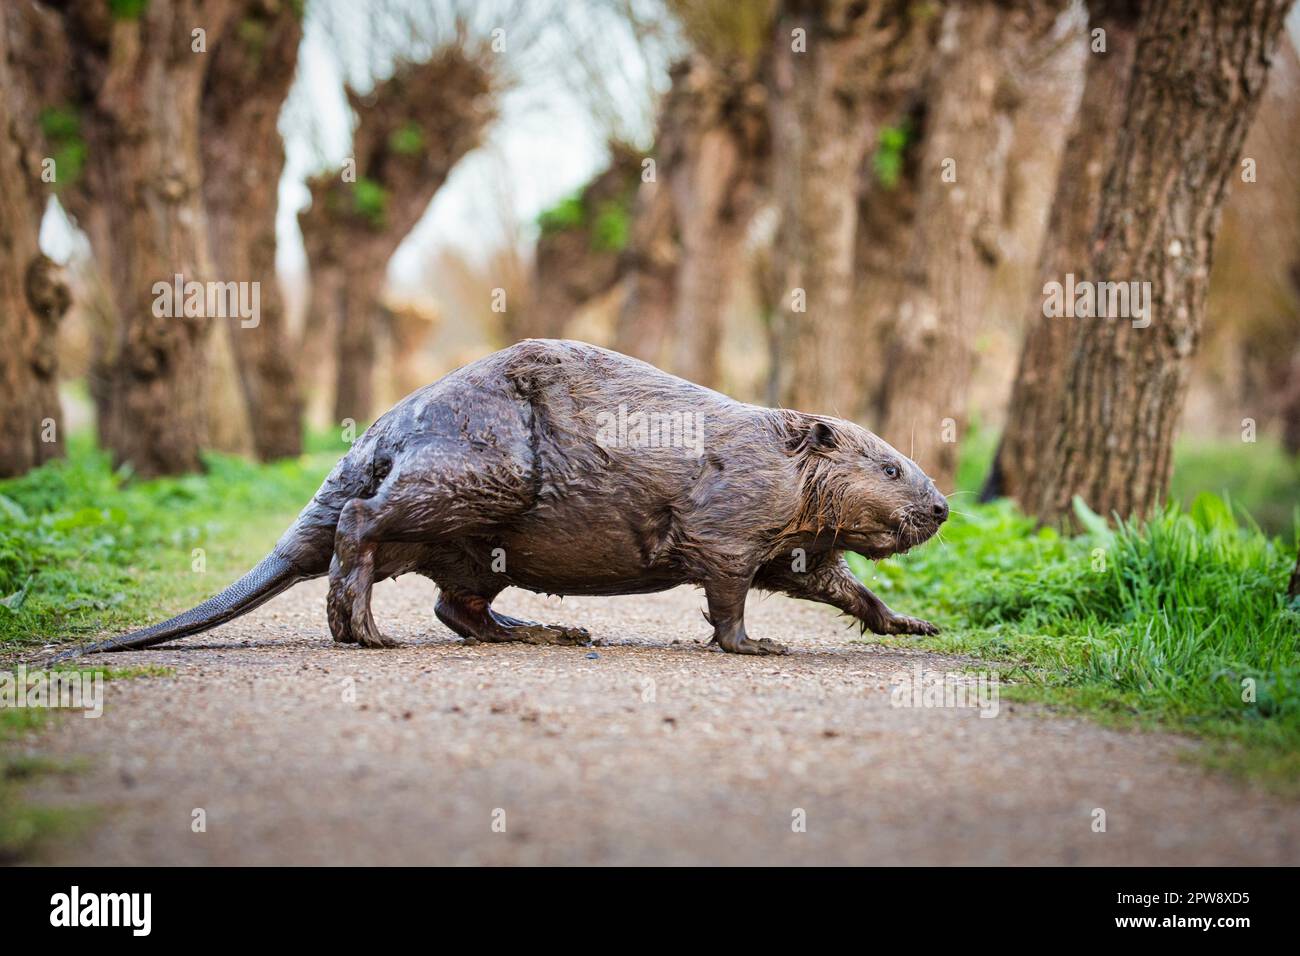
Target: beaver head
[(860, 492)]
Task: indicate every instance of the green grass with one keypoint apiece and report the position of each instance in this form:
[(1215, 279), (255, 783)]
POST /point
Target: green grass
[(1169, 623), (1259, 476), (85, 549)]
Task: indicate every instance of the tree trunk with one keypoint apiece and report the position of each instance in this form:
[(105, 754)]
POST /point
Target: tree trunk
[(886, 222), (139, 84), (1294, 589), (355, 395), (1289, 409), (1200, 69), (97, 305), (33, 296), (957, 242), (824, 116), (650, 275), (409, 331), (247, 82), (1250, 349), (1034, 410), (412, 129), (713, 148), (579, 251)]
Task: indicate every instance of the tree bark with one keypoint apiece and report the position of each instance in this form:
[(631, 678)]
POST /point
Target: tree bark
[(1200, 69), (409, 330), (650, 275), (713, 147), (33, 296), (957, 243), (252, 68), (825, 113), (357, 345), (412, 129), (1250, 350), (139, 81), (1034, 409), (882, 247), (1294, 589), (1289, 409)]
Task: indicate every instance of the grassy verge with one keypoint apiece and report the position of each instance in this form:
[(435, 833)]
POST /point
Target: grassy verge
[(1180, 623), (1260, 477), (84, 549)]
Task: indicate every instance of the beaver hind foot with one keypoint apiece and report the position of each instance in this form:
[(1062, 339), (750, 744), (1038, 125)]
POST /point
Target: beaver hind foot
[(348, 625), (472, 617), (351, 576)]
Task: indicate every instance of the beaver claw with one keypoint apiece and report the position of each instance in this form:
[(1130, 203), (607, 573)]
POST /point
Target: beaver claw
[(901, 624), (761, 646)]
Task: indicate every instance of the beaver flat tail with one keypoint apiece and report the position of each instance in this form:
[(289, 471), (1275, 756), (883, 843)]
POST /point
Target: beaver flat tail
[(272, 575)]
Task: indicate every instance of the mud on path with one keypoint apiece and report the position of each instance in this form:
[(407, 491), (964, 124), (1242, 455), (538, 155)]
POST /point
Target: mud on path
[(652, 752)]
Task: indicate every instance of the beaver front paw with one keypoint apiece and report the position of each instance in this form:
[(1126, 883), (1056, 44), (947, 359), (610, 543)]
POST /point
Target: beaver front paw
[(902, 624)]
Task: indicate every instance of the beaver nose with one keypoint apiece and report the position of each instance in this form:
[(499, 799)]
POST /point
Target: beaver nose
[(940, 508)]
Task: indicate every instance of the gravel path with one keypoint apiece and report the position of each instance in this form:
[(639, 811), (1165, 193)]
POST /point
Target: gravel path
[(644, 750)]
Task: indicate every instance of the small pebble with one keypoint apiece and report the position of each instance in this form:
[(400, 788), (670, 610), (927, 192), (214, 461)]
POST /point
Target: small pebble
[(592, 656)]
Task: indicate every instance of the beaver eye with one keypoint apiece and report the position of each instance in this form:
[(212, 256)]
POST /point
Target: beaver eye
[(890, 469)]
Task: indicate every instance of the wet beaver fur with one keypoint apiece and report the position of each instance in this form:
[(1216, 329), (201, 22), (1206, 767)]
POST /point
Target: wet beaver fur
[(565, 468)]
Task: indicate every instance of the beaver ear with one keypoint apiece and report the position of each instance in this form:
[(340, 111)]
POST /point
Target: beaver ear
[(813, 435), (821, 436)]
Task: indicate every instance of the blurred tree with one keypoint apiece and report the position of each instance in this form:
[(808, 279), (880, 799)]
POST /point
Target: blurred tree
[(33, 296), (713, 154), (1034, 410), (649, 265), (412, 128), (834, 64), (886, 199), (1200, 69), (243, 158), (691, 213), (965, 157), (409, 329), (580, 248), (1250, 352), (612, 60), (137, 72), (1289, 402)]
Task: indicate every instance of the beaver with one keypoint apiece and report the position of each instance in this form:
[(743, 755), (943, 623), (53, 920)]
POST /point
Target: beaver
[(565, 468)]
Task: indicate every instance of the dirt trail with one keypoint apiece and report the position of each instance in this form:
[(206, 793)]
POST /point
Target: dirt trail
[(651, 752)]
